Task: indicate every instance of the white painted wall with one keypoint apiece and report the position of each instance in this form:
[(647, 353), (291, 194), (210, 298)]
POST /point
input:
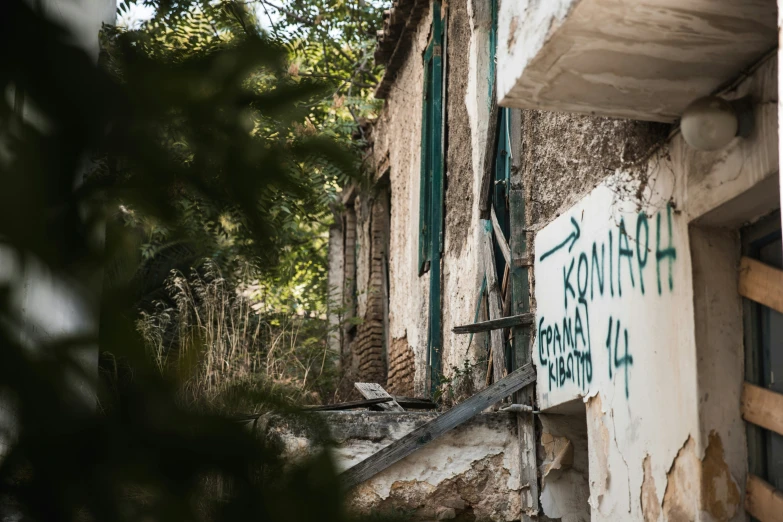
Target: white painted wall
[(625, 341), (631, 350)]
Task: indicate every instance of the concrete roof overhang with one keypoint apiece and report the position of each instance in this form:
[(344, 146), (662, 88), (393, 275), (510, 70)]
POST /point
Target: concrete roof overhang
[(638, 59)]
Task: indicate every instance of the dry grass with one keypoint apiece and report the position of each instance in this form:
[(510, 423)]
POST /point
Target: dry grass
[(228, 356)]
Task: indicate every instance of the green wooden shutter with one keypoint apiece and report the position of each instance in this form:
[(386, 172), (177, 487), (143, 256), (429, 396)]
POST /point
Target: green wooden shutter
[(431, 186), (425, 181), (436, 233)]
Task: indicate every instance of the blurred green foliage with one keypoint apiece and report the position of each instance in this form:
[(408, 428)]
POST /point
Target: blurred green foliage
[(184, 143), (325, 43)]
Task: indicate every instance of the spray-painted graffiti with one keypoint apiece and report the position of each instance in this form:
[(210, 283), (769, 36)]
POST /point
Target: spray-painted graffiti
[(596, 276)]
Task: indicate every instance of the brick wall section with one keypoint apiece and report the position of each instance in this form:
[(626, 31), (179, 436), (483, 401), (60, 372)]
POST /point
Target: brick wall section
[(369, 346), (401, 368), (349, 263)]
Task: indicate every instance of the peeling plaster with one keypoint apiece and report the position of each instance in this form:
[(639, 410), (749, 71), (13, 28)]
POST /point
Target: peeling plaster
[(651, 506), (473, 471), (696, 486), (682, 487), (720, 495), (559, 456), (598, 434), (473, 494)]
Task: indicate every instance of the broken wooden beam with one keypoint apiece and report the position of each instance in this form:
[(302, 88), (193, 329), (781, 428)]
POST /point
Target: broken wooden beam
[(348, 405), (373, 390), (496, 324), (761, 283), (499, 237), (762, 407), (415, 403), (430, 431)]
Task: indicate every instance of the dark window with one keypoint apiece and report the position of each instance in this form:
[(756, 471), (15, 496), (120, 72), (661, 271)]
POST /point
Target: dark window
[(764, 350)]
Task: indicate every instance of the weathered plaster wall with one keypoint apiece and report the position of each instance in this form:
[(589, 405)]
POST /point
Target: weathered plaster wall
[(397, 136), (461, 279), (397, 141), (567, 155), (720, 356), (628, 321), (645, 60), (471, 473)]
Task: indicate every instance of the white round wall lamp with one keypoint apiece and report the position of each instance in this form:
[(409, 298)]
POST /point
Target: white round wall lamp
[(710, 123)]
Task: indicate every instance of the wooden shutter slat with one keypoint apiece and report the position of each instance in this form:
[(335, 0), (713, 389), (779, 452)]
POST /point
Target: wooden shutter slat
[(499, 237), (761, 283), (763, 501), (762, 407)]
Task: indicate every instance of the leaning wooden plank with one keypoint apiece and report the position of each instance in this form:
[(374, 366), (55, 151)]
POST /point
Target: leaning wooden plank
[(488, 172), (499, 237), (498, 348), (371, 390), (426, 433), (496, 324), (762, 407), (763, 501), (348, 405), (761, 283)]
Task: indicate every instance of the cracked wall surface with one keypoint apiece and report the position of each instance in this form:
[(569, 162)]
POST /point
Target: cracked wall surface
[(637, 317), (657, 366), (471, 473)]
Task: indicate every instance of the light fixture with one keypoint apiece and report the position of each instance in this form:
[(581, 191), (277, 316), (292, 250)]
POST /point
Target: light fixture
[(710, 123)]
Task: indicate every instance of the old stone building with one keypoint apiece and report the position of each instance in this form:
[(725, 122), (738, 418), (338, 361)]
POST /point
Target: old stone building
[(542, 161)]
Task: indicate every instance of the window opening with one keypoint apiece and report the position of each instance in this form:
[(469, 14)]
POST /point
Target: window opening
[(764, 350)]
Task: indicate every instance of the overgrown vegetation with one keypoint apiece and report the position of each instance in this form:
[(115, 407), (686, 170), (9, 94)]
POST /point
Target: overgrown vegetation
[(210, 166), (277, 291), (219, 338)]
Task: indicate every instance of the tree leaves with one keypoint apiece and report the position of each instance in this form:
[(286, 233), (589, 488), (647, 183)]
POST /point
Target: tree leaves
[(160, 134)]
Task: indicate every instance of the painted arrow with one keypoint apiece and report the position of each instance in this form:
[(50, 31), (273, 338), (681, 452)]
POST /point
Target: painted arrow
[(572, 238)]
